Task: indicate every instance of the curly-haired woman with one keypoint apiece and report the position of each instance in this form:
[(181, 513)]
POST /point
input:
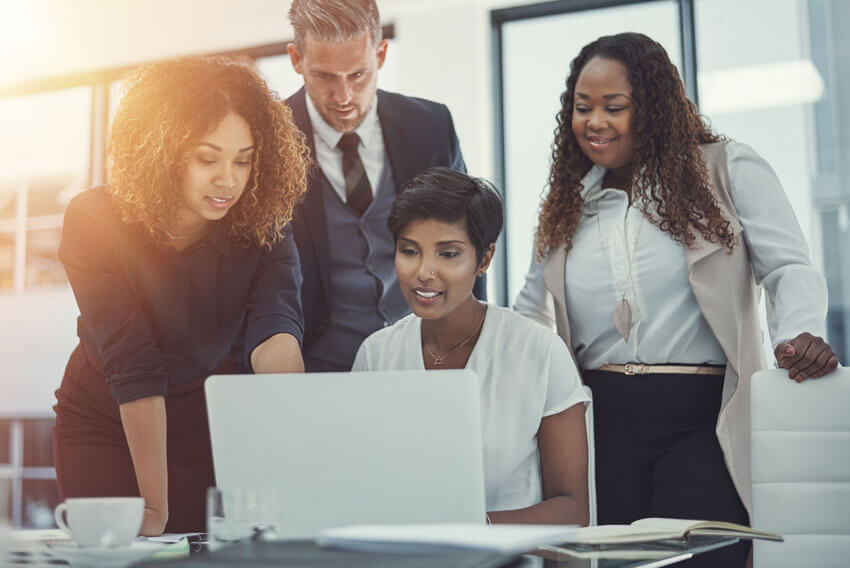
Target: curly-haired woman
[(181, 268), (654, 237)]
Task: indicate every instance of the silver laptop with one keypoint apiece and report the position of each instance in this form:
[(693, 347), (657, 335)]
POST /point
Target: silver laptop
[(351, 448)]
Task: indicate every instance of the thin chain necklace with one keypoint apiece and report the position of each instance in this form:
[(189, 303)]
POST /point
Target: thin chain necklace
[(439, 360), (622, 308), (174, 237)]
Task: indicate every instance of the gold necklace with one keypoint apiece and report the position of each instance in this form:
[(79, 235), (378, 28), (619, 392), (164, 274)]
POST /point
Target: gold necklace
[(440, 359)]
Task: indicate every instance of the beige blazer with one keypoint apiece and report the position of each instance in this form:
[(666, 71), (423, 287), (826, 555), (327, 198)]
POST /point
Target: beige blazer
[(728, 297)]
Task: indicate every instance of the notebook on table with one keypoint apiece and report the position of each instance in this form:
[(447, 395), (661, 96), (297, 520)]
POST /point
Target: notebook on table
[(658, 529), (352, 448)]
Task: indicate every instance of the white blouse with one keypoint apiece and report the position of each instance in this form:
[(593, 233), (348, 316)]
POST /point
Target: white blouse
[(526, 373), (617, 253)]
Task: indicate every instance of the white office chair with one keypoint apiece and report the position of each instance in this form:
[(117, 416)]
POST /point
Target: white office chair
[(800, 437), (591, 460)]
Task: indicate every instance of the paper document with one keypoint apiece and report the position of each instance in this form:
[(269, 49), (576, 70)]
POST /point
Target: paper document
[(507, 539)]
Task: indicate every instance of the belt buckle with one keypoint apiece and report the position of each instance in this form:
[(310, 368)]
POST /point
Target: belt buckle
[(634, 369)]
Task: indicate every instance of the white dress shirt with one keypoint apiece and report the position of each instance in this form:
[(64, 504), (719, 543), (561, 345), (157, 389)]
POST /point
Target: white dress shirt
[(329, 157), (525, 373), (617, 253)]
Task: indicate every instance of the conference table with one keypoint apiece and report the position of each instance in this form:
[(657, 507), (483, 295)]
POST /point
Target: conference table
[(305, 554)]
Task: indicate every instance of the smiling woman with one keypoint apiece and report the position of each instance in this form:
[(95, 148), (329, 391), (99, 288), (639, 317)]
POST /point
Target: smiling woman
[(654, 238), (445, 224), (182, 267)]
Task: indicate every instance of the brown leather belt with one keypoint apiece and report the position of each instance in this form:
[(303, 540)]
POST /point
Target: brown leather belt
[(643, 369)]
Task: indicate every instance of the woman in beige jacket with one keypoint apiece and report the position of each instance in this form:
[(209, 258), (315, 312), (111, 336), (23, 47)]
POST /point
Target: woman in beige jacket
[(655, 237)]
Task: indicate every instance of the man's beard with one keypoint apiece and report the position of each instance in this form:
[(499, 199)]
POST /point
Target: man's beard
[(348, 124)]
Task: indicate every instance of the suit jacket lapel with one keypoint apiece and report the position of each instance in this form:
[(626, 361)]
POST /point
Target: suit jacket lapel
[(313, 204), (396, 142)]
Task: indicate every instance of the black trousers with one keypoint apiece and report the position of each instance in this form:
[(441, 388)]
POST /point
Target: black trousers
[(657, 454)]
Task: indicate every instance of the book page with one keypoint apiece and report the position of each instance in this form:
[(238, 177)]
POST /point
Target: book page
[(678, 525), (695, 527), (621, 534)]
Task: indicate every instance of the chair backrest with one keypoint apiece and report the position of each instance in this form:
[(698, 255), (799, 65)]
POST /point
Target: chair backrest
[(591, 458), (800, 435)]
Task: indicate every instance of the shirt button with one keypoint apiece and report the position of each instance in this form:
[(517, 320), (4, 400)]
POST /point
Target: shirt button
[(386, 323)]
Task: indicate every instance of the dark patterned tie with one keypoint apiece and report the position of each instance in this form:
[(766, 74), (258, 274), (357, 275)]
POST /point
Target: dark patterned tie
[(358, 192)]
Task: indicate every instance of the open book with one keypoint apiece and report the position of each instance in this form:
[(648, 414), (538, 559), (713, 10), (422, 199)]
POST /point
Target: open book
[(654, 528)]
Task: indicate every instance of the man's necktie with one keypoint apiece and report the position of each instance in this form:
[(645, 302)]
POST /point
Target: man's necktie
[(358, 192)]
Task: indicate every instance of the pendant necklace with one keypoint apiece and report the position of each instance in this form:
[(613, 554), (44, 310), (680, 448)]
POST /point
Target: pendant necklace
[(622, 308), (439, 360)]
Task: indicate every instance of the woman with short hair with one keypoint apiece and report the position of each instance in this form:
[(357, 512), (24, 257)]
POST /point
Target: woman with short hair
[(445, 225)]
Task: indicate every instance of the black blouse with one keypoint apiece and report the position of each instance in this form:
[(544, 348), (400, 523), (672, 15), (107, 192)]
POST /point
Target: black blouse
[(151, 316)]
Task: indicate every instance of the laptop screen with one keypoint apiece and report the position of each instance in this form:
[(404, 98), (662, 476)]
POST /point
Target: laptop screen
[(351, 448)]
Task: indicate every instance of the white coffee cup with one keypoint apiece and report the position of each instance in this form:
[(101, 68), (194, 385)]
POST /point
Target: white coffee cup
[(101, 522)]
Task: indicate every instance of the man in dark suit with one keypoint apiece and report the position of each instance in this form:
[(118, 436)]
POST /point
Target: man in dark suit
[(366, 144)]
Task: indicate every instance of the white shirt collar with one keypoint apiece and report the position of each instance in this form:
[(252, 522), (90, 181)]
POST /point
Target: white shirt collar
[(592, 183), (592, 188), (331, 136)]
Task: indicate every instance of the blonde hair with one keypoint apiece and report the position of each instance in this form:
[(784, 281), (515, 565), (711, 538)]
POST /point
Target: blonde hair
[(335, 20)]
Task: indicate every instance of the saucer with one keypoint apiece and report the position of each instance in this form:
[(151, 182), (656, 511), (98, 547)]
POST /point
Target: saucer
[(104, 557)]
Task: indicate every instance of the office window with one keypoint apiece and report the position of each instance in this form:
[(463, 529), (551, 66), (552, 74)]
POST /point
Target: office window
[(5, 439), (39, 173), (7, 260)]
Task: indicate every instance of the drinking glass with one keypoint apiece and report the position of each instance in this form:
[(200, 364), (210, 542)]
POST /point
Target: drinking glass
[(238, 514)]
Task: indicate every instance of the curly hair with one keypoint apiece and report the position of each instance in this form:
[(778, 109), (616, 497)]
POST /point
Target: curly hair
[(668, 169), (165, 111)]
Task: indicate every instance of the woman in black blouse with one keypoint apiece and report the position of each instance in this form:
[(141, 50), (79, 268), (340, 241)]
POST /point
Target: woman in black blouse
[(182, 268)]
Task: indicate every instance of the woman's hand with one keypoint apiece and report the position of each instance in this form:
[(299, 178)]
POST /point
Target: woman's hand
[(806, 357), (153, 523)]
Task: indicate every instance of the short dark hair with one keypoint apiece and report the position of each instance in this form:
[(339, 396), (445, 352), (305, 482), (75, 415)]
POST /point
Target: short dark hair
[(450, 196)]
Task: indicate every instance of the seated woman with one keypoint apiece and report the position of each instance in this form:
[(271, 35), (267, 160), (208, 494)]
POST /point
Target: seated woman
[(181, 269), (445, 226)]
